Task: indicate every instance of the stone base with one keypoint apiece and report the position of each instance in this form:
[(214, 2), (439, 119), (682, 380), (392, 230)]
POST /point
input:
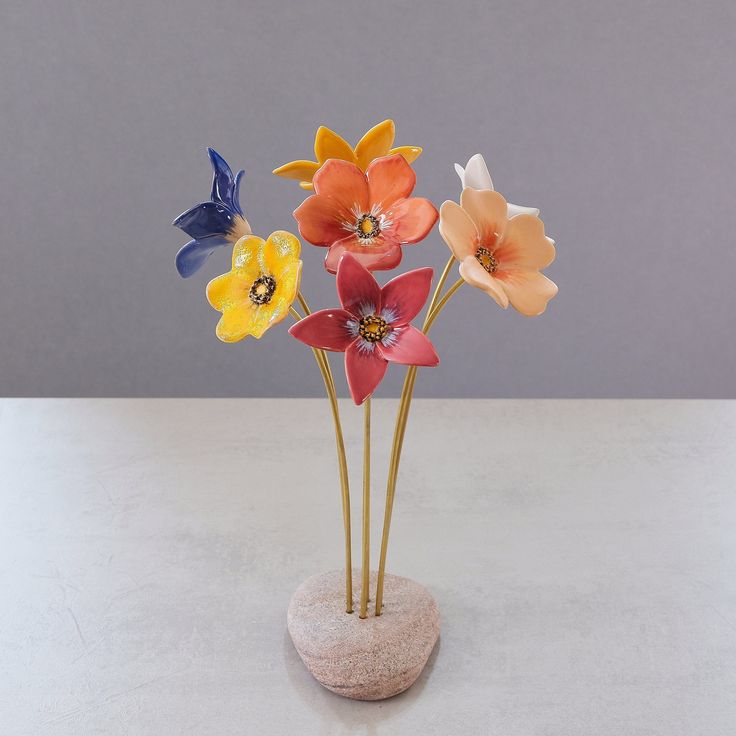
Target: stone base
[(365, 659)]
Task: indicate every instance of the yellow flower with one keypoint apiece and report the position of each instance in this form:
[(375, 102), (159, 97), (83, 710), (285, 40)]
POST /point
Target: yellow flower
[(260, 287), (377, 142)]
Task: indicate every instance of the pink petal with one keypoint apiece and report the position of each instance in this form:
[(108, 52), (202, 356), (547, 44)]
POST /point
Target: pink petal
[(390, 178), (364, 370), (412, 347), (326, 329), (320, 219), (405, 295), (381, 256), (344, 182), (357, 290), (412, 219), (528, 291)]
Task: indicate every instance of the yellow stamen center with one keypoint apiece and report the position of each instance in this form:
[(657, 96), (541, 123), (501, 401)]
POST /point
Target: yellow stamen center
[(373, 328), (486, 259), (367, 228), (262, 290)]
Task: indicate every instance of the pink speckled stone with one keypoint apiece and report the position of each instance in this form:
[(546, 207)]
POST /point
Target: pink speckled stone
[(369, 659)]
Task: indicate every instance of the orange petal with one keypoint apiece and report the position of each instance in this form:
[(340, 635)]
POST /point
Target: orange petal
[(412, 218), (528, 291), (300, 170), (390, 178), (458, 230), (320, 220), (375, 143), (487, 209), (328, 144), (524, 244), (343, 182), (410, 153), (477, 276)]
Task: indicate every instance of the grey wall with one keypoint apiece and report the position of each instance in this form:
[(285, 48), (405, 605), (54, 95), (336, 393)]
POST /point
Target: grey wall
[(616, 118)]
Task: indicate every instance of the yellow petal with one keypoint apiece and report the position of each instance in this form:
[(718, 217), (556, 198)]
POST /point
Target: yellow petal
[(328, 144), (246, 256), (410, 153), (306, 185), (375, 143), (281, 250), (228, 289), (300, 170), (236, 322)]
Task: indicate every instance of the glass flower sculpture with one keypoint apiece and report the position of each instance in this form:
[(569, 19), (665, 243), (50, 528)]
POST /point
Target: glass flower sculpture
[(363, 213)]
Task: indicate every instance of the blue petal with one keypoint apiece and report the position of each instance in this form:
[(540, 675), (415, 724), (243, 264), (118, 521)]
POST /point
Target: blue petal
[(205, 219), (193, 255), (236, 193), (222, 182)]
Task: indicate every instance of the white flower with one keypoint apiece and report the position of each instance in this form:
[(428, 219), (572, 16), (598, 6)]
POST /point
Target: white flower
[(475, 175)]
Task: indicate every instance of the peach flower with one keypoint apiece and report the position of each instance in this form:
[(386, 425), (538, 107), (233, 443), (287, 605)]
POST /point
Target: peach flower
[(498, 255)]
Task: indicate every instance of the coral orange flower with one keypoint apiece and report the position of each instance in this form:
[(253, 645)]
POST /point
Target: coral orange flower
[(377, 142), (372, 327), (501, 256), (370, 215)]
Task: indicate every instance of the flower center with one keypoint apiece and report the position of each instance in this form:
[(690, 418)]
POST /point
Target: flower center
[(486, 259), (373, 328), (262, 290), (367, 227)]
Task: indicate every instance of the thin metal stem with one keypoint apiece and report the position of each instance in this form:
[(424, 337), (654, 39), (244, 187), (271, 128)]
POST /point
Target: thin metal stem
[(324, 367), (407, 391), (364, 594)]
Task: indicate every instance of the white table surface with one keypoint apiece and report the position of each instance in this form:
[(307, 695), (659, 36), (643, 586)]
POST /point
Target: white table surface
[(583, 555)]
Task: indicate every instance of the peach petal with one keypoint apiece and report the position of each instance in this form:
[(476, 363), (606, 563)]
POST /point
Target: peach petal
[(458, 230), (390, 178), (528, 291), (477, 276), (487, 209), (524, 244), (412, 218)]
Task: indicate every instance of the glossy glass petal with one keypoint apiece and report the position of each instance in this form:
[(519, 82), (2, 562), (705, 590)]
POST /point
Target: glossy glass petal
[(320, 220), (412, 219), (358, 291), (223, 181), (206, 218), (300, 170), (375, 143), (524, 244), (403, 297), (410, 153), (365, 369), (528, 291), (458, 230), (487, 209), (327, 329), (409, 346), (477, 276), (280, 249), (390, 178), (379, 257), (328, 144), (346, 184), (192, 256), (476, 174)]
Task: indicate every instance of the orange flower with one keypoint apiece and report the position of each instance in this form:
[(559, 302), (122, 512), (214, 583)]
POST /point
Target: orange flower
[(498, 255)]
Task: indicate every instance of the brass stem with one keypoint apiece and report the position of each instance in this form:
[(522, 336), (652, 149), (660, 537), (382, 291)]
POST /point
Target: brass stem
[(324, 366), (366, 507), (402, 416)]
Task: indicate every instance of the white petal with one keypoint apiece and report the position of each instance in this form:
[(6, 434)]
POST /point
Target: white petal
[(461, 173), (477, 175), (517, 209)]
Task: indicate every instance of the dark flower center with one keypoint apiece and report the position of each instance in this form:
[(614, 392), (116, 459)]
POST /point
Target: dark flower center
[(486, 259), (367, 227), (262, 290), (373, 328)]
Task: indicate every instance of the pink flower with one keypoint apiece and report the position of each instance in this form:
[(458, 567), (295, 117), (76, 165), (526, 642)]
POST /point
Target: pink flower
[(369, 215), (372, 328)]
